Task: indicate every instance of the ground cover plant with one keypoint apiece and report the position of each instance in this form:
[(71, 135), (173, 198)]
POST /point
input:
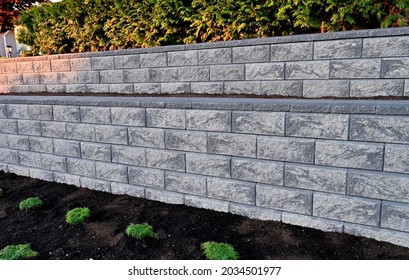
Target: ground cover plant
[(17, 252), (180, 230), (140, 231), (219, 251), (31, 203), (77, 215)]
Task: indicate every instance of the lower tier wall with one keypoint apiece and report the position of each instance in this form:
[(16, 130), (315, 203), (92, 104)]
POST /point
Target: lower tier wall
[(333, 165)]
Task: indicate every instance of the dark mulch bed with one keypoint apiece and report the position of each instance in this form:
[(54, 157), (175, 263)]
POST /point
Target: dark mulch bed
[(181, 229)]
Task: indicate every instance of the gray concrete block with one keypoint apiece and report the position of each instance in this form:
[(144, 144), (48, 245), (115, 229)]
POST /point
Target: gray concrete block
[(359, 68), (236, 191), (111, 134), (185, 183), (210, 120), (81, 167), (163, 75), (232, 144), (67, 148), (285, 149), (324, 179), (380, 128), (43, 175), (95, 115), (84, 132), (29, 127), (77, 88), (349, 154), (164, 196), (54, 163), (119, 188), (8, 126), (128, 116), (226, 72), (153, 60), (308, 70), (312, 222), (146, 177), (395, 68), (111, 76), (265, 71), (31, 78), (67, 77), (60, 65), (207, 203), (279, 198), (41, 144), (260, 171), (330, 126), (167, 118), (385, 47), (326, 88), (69, 179), (4, 141), (19, 170), (42, 66), (111, 172), (182, 58), (66, 113), (49, 78), (30, 89), (96, 151), (147, 137), (15, 79), (80, 64), (207, 88), (146, 88), (242, 88), (56, 88), (215, 56), (406, 90), (128, 155), (97, 88), (40, 112), (348, 209), (25, 67), (126, 61), (392, 107), (175, 88), (8, 67), (255, 212), (384, 186), (18, 142), (373, 88), (4, 168), (338, 49), (291, 51), (9, 156), (102, 63), (136, 75), (17, 111), (258, 122), (193, 141), (218, 166), (121, 88), (88, 77), (94, 184), (395, 216), (3, 111), (251, 54), (396, 158), (163, 159), (194, 74)]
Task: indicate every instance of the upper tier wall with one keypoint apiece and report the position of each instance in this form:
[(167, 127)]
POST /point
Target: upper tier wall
[(366, 63)]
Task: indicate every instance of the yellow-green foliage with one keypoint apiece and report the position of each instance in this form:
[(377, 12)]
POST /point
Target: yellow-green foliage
[(140, 231), (17, 252), (77, 215), (219, 251), (31, 203)]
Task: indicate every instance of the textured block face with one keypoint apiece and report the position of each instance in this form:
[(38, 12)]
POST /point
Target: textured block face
[(307, 70), (230, 190), (316, 178), (8, 68), (242, 88), (114, 172), (147, 137), (75, 88), (265, 71), (41, 174), (19, 170), (3, 111), (207, 88), (194, 74), (312, 222), (40, 144), (111, 134), (372, 88), (60, 65), (347, 154), (395, 216), (95, 115), (15, 79), (111, 77), (29, 159), (18, 142), (298, 201), (153, 60), (95, 151), (94, 184), (8, 156), (215, 56), (146, 177), (128, 155), (258, 122), (395, 68), (65, 178), (328, 88), (121, 88), (24, 67), (184, 183), (88, 77), (128, 116), (255, 212), (80, 64), (218, 166), (67, 77), (118, 188), (349, 209), (164, 196), (163, 159), (260, 171), (207, 203), (329, 126), (53, 129), (363, 68), (226, 72), (385, 47), (3, 141), (193, 141), (81, 132), (94, 88), (136, 76), (175, 88), (397, 158), (102, 63), (67, 148), (56, 88), (293, 51), (8, 126), (29, 127), (338, 49), (31, 79), (182, 58), (168, 118), (81, 167), (208, 120), (380, 129), (54, 163), (147, 88), (251, 54), (49, 78), (232, 144), (380, 186), (126, 61), (286, 149), (15, 111)]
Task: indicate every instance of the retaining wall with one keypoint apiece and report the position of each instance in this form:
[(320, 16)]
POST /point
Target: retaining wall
[(333, 165)]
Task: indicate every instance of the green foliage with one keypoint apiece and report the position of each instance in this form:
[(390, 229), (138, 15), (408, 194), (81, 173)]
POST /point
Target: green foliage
[(31, 203), (97, 25), (140, 231), (1, 193), (17, 252), (219, 251), (77, 215)]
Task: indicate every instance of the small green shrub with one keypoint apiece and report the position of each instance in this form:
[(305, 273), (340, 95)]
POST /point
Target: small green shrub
[(1, 193), (17, 252), (140, 231), (219, 251), (77, 215), (31, 203)]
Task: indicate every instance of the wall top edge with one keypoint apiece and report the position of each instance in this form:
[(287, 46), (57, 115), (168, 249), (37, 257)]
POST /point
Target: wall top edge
[(380, 107), (383, 32)]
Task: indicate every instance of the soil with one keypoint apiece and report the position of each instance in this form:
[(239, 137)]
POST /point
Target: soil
[(181, 229)]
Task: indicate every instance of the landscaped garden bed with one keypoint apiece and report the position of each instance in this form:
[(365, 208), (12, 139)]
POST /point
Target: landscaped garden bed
[(179, 231)]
